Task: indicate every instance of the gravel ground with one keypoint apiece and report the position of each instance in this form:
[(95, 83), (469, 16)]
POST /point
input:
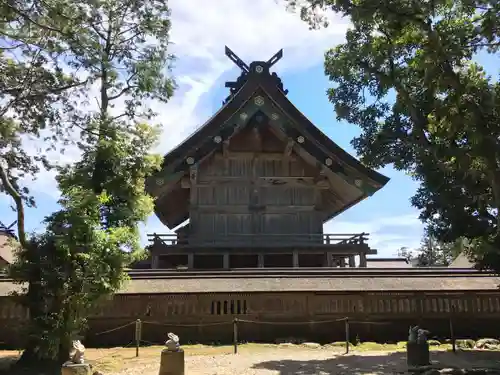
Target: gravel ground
[(284, 362), (314, 362)]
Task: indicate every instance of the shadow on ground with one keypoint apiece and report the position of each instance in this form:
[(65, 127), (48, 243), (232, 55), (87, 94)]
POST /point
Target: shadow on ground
[(8, 367), (6, 362), (379, 364)]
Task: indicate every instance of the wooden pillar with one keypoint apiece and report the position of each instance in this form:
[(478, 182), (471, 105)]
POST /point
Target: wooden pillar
[(342, 262), (190, 261), (352, 262), (155, 261), (225, 260), (260, 260), (362, 260), (295, 259), (329, 259)]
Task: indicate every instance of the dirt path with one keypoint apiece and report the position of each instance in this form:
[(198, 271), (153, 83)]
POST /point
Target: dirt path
[(261, 359), (310, 362)]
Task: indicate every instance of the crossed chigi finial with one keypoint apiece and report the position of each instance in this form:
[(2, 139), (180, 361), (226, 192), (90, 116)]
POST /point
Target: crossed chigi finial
[(256, 67), (8, 229), (245, 68)]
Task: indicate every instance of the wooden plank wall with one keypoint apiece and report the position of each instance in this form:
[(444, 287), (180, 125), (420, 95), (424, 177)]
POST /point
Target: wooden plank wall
[(248, 194), (290, 305)]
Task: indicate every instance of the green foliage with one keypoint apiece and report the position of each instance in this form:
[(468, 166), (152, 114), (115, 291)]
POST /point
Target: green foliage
[(434, 343), (118, 53), (406, 77), (465, 344), (34, 91), (433, 252)]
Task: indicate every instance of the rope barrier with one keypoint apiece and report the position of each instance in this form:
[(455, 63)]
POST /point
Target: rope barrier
[(114, 329), (241, 321), (152, 343), (112, 354), (292, 323), (368, 322), (188, 325)]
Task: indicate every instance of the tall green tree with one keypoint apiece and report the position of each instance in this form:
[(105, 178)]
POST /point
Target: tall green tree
[(34, 92), (406, 76), (120, 48), (433, 252)]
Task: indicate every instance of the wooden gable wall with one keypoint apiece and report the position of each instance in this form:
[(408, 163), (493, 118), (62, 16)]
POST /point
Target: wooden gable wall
[(255, 185)]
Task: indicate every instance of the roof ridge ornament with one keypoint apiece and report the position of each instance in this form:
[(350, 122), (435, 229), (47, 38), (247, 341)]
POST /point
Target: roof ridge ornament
[(255, 68)]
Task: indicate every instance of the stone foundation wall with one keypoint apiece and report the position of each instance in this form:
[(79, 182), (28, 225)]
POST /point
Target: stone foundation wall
[(208, 318)]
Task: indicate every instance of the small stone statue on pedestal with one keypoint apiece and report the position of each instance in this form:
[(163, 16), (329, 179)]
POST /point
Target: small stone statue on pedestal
[(76, 364), (413, 334), (417, 347), (172, 357), (76, 354), (172, 343)]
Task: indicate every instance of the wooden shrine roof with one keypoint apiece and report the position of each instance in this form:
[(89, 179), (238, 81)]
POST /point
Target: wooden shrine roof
[(383, 282), (258, 92)]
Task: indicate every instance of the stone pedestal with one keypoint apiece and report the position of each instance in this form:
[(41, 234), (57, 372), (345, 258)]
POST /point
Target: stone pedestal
[(417, 354), (172, 363), (76, 369)]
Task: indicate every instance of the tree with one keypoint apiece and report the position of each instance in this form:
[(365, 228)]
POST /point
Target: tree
[(433, 252), (34, 91), (406, 253), (120, 47), (406, 76)]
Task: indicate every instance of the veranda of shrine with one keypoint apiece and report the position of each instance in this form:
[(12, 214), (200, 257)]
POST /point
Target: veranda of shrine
[(255, 185)]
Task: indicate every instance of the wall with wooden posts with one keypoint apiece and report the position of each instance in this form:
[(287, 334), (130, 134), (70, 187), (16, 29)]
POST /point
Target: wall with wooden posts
[(254, 188), (310, 316)]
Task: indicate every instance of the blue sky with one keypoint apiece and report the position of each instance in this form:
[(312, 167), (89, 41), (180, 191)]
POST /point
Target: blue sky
[(255, 30)]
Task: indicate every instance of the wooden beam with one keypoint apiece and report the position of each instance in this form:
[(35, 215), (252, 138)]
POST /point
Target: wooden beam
[(265, 182), (225, 156), (193, 179), (225, 149), (287, 154), (243, 209), (229, 154), (289, 148), (185, 182), (257, 139)]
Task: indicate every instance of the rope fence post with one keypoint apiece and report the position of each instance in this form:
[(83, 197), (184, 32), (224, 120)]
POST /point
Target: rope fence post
[(138, 334), (235, 335), (346, 322), (452, 333)]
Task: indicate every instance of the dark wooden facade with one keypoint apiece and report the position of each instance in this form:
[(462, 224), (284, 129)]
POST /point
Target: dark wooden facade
[(380, 305)]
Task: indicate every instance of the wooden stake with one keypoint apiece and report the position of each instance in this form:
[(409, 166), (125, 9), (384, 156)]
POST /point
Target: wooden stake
[(452, 336), (235, 335), (346, 335), (138, 334)]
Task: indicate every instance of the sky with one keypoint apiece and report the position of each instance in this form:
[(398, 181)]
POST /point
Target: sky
[(255, 30)]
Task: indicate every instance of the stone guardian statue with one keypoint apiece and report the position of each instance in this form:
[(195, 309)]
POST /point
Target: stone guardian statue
[(76, 354), (172, 343), (76, 364)]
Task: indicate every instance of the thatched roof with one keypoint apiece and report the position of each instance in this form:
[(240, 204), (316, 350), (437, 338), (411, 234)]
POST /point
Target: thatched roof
[(388, 282)]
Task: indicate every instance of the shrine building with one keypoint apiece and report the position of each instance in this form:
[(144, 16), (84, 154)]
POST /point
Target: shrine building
[(247, 196), (256, 183)]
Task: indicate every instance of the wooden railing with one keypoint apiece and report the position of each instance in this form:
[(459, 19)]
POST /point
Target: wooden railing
[(172, 239)]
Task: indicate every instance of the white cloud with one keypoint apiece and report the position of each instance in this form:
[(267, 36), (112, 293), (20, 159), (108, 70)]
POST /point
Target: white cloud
[(254, 29)]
